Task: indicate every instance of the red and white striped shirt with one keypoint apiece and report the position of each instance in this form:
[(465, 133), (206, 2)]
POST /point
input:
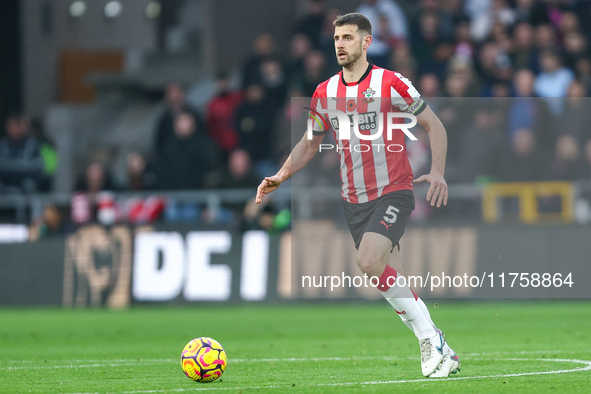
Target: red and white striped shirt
[(370, 169)]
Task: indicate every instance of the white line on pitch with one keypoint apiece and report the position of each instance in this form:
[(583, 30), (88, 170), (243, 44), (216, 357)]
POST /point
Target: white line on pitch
[(586, 363), (125, 362), (116, 363), (243, 360), (71, 366)]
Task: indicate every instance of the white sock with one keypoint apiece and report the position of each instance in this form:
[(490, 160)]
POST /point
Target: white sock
[(409, 310), (425, 310)]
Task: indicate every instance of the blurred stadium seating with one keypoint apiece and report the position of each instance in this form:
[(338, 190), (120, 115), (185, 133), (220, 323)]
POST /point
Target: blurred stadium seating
[(138, 110)]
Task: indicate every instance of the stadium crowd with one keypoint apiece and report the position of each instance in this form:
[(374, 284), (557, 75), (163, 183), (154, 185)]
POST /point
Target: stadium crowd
[(509, 79)]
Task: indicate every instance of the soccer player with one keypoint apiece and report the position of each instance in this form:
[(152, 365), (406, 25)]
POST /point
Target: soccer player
[(377, 183)]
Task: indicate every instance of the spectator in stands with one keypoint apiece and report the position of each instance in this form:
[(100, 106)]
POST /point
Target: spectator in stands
[(255, 120), (567, 165), (524, 54), (569, 23), (264, 47), (140, 175), (553, 81), (577, 117), (545, 38), (576, 48), (274, 80), (481, 143), (462, 68), (314, 72), (500, 35), (90, 187), (299, 48), (486, 13), (238, 174), (184, 159), (456, 85), (183, 163), (523, 83), (50, 224), (389, 27), (21, 161), (404, 62), (310, 24), (583, 72), (500, 89), (429, 86), (96, 178), (451, 15), (523, 160), (220, 115), (494, 65), (455, 113), (529, 112), (464, 46), (429, 48), (175, 104), (523, 10)]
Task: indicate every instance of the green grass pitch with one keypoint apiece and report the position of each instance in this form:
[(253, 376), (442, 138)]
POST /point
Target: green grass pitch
[(296, 348)]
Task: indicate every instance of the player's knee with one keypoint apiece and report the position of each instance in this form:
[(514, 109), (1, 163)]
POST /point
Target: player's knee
[(368, 265)]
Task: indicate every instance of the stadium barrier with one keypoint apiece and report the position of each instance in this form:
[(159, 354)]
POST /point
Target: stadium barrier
[(121, 266), (528, 194), (301, 198)]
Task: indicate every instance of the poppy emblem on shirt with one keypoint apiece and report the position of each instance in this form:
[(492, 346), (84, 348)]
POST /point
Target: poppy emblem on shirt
[(351, 105), (368, 94)]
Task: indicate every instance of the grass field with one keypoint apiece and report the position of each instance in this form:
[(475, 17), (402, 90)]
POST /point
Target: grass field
[(304, 348)]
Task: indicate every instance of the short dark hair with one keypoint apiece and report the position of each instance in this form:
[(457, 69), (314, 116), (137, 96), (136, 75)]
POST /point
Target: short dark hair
[(354, 18)]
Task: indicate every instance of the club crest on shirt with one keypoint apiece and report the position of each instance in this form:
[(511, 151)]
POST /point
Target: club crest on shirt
[(368, 94)]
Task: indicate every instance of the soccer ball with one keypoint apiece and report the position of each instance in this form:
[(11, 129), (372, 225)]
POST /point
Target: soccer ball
[(203, 360)]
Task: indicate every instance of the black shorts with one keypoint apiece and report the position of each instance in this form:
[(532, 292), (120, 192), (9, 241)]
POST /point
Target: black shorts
[(386, 215)]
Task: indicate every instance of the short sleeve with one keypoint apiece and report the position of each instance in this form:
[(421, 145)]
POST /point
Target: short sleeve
[(404, 95)]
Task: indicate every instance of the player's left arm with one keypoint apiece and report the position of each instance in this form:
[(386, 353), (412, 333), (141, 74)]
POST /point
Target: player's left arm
[(437, 193)]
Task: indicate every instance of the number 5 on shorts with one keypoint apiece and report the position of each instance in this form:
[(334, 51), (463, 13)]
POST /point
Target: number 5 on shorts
[(391, 216)]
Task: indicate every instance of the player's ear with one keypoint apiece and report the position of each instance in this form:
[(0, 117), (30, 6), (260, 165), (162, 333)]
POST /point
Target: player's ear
[(367, 41)]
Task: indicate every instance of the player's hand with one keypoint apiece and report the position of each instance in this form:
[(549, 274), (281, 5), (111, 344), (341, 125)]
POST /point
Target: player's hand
[(268, 184), (437, 193)]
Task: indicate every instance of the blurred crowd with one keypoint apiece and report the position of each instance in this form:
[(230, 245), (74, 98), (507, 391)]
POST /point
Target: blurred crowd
[(533, 56)]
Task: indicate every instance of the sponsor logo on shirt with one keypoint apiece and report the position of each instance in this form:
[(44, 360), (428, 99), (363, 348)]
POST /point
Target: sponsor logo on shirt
[(367, 120)]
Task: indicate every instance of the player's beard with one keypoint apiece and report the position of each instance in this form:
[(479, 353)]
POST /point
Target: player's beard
[(350, 58)]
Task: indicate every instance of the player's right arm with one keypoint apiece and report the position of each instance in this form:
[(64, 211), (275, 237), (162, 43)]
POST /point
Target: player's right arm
[(301, 154)]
